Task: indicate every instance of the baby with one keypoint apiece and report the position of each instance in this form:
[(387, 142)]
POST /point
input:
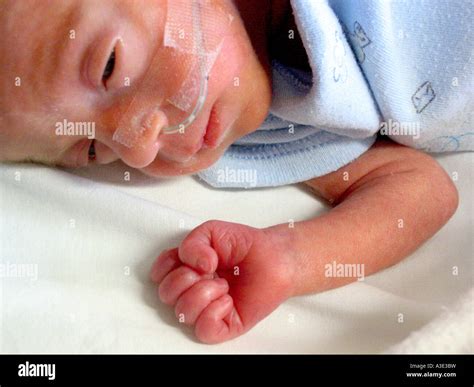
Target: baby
[(179, 87)]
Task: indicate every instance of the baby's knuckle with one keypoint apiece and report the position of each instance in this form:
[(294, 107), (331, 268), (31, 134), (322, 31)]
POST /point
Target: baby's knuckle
[(211, 225)]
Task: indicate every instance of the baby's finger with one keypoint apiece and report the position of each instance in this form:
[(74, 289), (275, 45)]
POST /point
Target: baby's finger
[(196, 250), (167, 261), (176, 283), (192, 302), (219, 322)]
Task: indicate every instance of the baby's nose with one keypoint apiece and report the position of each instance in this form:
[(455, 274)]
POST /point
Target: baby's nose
[(138, 142)]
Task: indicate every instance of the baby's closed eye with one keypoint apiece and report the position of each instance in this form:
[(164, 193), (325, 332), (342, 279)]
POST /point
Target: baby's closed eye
[(109, 68)]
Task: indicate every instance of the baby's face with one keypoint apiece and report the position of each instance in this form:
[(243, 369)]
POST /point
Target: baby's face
[(57, 68)]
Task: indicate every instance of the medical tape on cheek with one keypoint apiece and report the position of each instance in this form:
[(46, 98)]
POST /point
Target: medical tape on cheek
[(183, 34), (194, 31)]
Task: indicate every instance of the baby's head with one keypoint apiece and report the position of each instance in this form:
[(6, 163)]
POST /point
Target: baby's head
[(71, 70)]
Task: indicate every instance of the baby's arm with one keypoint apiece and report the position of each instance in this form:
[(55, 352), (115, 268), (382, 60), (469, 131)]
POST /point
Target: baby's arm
[(387, 202)]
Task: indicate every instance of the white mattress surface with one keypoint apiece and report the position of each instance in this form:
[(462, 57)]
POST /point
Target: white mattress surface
[(76, 248)]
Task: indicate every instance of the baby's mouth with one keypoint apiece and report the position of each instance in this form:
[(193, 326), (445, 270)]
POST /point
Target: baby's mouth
[(211, 136), (215, 129), (183, 151)]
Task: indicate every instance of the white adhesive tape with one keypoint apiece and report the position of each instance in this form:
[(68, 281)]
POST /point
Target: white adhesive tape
[(194, 32)]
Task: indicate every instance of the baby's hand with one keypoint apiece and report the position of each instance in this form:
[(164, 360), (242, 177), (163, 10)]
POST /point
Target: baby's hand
[(224, 278)]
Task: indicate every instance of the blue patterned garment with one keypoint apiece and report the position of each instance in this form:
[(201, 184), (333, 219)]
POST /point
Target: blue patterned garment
[(401, 67)]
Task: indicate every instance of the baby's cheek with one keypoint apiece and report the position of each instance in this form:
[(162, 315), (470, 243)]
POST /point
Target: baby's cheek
[(244, 84), (232, 59)]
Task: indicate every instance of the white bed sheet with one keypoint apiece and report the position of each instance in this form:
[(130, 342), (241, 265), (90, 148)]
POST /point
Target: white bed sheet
[(92, 237)]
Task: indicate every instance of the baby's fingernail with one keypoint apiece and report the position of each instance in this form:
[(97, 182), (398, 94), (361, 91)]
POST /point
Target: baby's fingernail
[(203, 264), (221, 281)]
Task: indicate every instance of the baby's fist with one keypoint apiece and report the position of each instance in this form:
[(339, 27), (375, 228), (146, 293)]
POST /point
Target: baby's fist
[(224, 278)]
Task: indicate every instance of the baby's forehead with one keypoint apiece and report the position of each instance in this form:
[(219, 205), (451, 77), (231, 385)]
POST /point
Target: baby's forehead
[(24, 17), (30, 21), (29, 31)]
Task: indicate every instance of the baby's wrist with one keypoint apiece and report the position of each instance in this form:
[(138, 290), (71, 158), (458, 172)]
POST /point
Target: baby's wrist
[(298, 242), (282, 242)]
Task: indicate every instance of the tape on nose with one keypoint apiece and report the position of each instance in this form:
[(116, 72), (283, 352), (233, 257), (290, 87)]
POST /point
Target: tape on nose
[(193, 32), (141, 127)]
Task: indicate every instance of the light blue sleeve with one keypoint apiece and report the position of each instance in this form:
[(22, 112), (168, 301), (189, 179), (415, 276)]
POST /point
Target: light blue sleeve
[(417, 56)]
